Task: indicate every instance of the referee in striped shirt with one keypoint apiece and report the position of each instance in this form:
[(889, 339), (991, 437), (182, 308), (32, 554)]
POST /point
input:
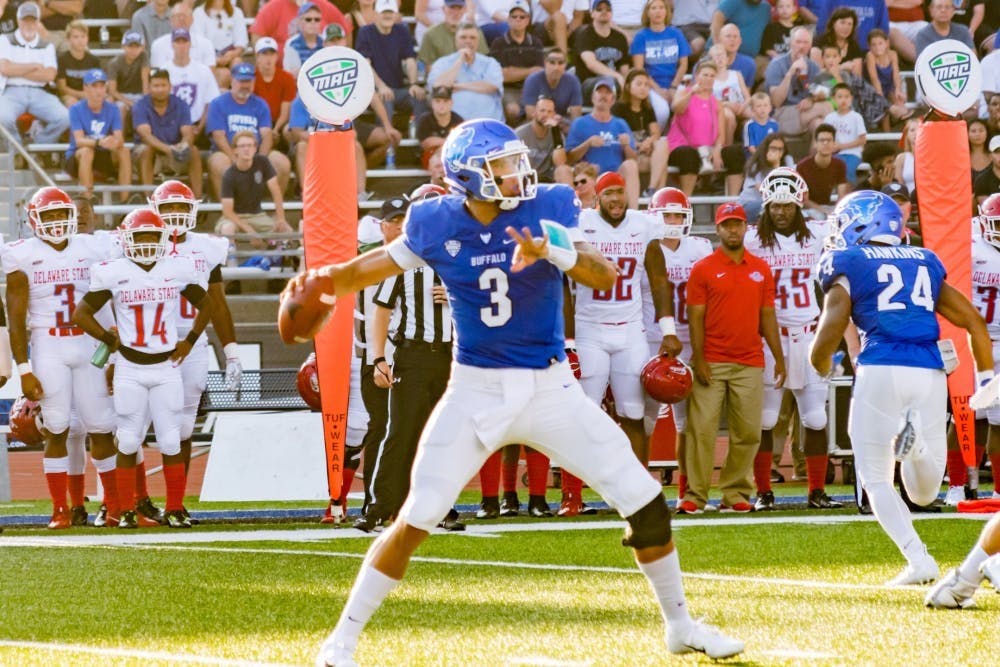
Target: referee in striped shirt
[(416, 379)]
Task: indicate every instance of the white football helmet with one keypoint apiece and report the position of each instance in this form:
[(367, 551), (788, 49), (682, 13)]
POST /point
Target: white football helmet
[(784, 185), (989, 220)]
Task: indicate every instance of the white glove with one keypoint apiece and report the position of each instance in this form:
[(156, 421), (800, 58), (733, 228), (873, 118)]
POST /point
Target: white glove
[(234, 369)]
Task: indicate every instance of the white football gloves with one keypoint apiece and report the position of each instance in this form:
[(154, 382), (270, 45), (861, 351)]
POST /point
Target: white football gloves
[(234, 369)]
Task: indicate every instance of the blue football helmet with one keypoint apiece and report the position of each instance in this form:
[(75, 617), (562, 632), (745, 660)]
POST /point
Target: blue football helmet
[(866, 216), (468, 156)]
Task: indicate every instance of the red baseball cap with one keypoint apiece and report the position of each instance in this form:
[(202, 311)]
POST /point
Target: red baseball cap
[(609, 179), (730, 211)]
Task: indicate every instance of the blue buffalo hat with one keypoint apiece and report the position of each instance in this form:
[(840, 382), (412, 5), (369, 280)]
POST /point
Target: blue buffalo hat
[(92, 76), (243, 72)]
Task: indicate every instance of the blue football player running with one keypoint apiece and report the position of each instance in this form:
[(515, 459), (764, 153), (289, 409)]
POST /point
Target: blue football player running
[(893, 291), (501, 244)]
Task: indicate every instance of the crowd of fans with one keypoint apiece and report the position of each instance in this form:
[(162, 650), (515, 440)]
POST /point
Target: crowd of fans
[(693, 85)]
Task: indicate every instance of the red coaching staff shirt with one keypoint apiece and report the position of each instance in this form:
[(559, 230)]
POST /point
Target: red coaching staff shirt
[(733, 294)]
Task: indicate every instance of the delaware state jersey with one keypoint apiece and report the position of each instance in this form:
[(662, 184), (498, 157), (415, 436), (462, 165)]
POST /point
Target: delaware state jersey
[(795, 300), (502, 319), (679, 263), (894, 291), (146, 303), (57, 279), (207, 251), (625, 245), (986, 284)]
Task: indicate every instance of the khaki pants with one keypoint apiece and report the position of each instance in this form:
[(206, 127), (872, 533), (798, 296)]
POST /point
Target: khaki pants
[(741, 389), (262, 223)]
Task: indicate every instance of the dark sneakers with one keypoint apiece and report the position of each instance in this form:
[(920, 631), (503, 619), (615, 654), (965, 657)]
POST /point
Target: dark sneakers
[(819, 500), (146, 508), (451, 522), (765, 502), (128, 520), (367, 524), (489, 508), (176, 519), (78, 516), (538, 508), (510, 506)]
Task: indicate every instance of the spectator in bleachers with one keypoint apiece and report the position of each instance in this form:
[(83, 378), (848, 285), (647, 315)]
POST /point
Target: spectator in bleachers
[(601, 49), (731, 91), (851, 134), (96, 141), (73, 63), (247, 181), (439, 41), (584, 184), (868, 14), (993, 114), (490, 16), (882, 69), (164, 135), (546, 149), (520, 55), (979, 154), (732, 41), (278, 19), (752, 17), (606, 140), (990, 66), (359, 14), (988, 182), (824, 173), (771, 153), (942, 26), (8, 16), (559, 25), (202, 48), (628, 16), (276, 86), (307, 42), (787, 82), (152, 21), (555, 83), (56, 17), (435, 166), (696, 134), (128, 76), (841, 32), (224, 25), (193, 82), (760, 123), (972, 14), (905, 172), (237, 111), (388, 46), (778, 33), (651, 144), (906, 19), (434, 125), (694, 18), (873, 107), (991, 22), (29, 64), (428, 13), (881, 159), (661, 50), (476, 81)]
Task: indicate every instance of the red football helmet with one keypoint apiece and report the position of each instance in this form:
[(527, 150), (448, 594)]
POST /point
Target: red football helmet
[(784, 185), (308, 382), (427, 191), (52, 215), (25, 416), (672, 200), (667, 379), (574, 363), (989, 219), (174, 202), (143, 221)]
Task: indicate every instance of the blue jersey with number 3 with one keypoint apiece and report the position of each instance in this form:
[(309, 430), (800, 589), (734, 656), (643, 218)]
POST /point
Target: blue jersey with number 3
[(894, 291), (502, 319)]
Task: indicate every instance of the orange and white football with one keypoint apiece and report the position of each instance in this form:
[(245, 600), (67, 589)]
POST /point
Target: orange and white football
[(305, 305)]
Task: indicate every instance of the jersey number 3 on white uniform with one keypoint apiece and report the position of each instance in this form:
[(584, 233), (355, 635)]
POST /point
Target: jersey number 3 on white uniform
[(921, 295)]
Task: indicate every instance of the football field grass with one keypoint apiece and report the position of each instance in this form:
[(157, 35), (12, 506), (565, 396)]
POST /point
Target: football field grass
[(798, 588)]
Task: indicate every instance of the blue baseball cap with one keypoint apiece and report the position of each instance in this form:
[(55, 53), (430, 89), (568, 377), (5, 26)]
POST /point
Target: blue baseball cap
[(180, 33), (306, 7), (132, 37), (596, 3), (243, 72), (92, 76)]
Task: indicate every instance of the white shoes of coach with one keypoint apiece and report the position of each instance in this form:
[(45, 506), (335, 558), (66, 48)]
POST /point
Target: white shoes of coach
[(336, 653), (923, 571), (955, 495), (703, 638), (952, 592), (990, 569)]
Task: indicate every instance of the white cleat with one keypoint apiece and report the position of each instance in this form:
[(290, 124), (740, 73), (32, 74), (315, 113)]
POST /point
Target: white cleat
[(925, 571), (990, 569), (955, 495), (703, 638), (336, 653), (952, 592)]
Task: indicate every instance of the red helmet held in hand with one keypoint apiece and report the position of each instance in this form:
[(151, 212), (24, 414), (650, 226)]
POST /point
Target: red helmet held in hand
[(307, 382), (667, 379), (25, 416)]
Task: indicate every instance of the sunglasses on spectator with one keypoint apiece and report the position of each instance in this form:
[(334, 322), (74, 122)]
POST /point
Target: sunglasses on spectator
[(580, 181), (315, 19)]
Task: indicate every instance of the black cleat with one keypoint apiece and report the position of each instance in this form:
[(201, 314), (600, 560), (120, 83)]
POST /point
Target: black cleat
[(146, 508), (538, 508), (451, 522), (489, 508), (510, 505), (78, 516), (187, 515), (765, 502), (819, 500), (176, 519), (777, 477), (128, 520), (366, 524)]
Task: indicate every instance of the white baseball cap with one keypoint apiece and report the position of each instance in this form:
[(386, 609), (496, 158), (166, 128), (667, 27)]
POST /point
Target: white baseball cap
[(995, 143), (386, 6), (265, 44)]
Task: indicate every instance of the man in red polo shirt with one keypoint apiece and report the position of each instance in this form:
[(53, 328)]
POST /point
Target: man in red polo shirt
[(730, 305), (279, 19)]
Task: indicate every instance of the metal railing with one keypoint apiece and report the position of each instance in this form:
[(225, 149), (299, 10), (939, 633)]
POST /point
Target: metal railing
[(14, 204)]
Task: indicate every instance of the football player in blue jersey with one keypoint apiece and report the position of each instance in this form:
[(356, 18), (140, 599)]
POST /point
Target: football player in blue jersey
[(501, 243), (893, 292)]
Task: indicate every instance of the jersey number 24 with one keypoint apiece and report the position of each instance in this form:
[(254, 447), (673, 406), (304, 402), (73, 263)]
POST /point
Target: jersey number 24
[(921, 294)]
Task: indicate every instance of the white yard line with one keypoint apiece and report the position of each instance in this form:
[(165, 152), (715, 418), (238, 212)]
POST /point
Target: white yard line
[(135, 653)]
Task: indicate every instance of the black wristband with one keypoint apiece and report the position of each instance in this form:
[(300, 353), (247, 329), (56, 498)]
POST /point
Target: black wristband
[(108, 338), (192, 337), (376, 361)]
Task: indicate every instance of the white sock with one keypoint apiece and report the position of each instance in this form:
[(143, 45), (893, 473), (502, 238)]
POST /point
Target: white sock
[(894, 517), (969, 569), (370, 588), (664, 577)]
